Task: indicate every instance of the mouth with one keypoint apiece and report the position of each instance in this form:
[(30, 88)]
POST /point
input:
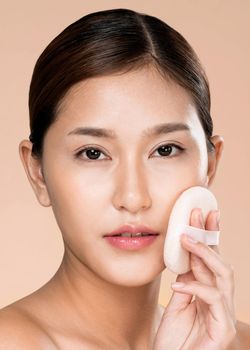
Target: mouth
[(131, 241), (132, 230), (138, 234), (132, 237)]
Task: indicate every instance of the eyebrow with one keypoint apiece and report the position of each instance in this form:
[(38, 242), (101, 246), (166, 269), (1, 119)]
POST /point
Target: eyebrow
[(164, 128)]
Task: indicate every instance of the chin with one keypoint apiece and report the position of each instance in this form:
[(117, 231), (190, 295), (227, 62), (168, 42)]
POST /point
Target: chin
[(135, 277)]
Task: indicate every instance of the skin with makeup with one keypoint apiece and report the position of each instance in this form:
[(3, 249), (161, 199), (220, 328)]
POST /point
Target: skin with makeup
[(128, 180), (121, 151)]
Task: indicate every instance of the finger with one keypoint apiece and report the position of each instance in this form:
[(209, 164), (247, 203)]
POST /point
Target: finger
[(211, 296), (212, 224), (226, 289), (212, 259), (201, 272), (179, 301), (223, 272)]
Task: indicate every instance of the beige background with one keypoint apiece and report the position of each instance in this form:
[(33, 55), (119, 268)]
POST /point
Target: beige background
[(30, 243)]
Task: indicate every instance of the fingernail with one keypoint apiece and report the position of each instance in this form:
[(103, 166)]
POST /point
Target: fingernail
[(178, 285), (218, 217), (201, 219)]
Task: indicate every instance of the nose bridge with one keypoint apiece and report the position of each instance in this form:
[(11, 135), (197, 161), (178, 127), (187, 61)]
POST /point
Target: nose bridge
[(131, 186)]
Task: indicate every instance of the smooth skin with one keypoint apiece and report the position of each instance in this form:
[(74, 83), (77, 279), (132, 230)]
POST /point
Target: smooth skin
[(102, 297)]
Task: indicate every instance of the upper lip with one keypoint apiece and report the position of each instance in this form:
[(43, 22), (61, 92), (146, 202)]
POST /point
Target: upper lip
[(133, 229)]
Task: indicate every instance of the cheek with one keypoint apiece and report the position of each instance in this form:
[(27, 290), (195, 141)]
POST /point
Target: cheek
[(76, 187), (184, 173), (168, 182), (77, 200)]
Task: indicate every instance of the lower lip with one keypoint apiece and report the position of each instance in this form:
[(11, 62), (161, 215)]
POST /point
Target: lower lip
[(131, 243)]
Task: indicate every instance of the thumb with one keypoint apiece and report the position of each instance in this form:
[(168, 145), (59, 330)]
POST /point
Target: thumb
[(179, 301)]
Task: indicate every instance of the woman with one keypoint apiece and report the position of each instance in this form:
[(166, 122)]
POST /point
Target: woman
[(120, 126)]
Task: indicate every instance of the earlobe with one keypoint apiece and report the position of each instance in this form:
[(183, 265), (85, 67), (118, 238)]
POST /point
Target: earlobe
[(214, 158), (34, 172)]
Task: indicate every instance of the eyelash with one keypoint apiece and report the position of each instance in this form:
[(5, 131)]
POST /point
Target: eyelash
[(78, 154)]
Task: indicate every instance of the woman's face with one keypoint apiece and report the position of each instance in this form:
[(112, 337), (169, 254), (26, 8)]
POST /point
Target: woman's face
[(127, 178)]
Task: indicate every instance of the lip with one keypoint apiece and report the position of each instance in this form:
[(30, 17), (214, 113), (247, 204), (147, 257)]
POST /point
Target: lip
[(130, 243), (133, 229)]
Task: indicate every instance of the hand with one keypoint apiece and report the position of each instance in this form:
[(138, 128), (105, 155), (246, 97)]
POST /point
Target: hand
[(208, 322)]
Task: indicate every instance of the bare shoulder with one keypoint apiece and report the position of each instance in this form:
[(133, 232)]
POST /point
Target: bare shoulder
[(19, 331), (243, 330), (242, 338)]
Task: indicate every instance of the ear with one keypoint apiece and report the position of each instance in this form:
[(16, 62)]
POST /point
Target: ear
[(34, 172), (214, 157)]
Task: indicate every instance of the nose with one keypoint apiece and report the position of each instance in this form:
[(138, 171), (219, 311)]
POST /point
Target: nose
[(131, 188)]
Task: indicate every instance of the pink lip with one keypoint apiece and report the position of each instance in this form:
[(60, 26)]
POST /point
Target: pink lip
[(132, 229), (130, 243)]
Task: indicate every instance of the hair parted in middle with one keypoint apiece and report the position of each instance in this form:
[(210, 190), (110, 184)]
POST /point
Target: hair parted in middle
[(108, 42)]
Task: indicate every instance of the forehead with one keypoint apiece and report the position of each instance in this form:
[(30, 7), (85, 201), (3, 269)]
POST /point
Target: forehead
[(140, 98)]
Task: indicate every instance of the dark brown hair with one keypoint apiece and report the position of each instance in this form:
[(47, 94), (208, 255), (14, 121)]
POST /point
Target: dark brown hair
[(108, 42)]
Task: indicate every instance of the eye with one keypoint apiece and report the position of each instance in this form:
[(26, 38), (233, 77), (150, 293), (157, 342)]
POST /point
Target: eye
[(92, 153), (166, 150)]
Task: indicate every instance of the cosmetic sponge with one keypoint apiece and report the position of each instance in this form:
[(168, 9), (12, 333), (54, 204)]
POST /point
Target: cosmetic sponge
[(176, 258)]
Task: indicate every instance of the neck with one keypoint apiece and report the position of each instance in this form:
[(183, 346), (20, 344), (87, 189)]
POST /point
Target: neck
[(120, 316)]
